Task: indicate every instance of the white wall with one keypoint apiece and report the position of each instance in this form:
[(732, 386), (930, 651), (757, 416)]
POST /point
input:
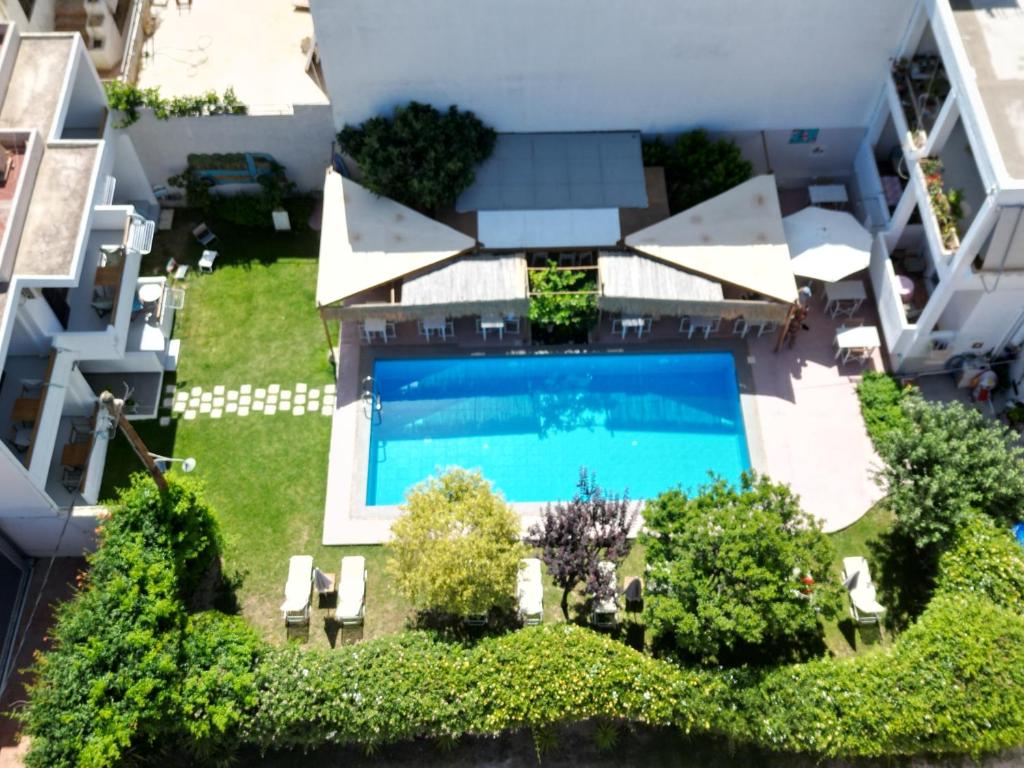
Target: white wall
[(656, 66), (301, 141), (42, 15)]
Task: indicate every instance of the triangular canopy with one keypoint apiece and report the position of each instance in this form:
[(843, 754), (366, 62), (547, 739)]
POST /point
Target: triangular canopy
[(826, 245), (366, 240), (736, 237)]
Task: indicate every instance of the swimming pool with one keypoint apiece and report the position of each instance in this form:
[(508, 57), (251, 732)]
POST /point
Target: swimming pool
[(643, 421)]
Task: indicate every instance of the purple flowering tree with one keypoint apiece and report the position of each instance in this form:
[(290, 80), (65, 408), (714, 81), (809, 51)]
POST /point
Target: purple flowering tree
[(575, 536)]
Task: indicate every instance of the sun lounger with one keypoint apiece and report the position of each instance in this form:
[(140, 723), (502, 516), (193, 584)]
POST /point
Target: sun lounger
[(530, 592), (203, 234), (605, 613), (297, 590), (864, 608), (351, 591)]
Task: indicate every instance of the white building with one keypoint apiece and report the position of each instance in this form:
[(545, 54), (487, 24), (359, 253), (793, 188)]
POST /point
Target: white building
[(858, 93), (108, 27), (75, 318)]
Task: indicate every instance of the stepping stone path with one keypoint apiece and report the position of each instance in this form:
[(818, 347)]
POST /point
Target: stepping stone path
[(219, 401)]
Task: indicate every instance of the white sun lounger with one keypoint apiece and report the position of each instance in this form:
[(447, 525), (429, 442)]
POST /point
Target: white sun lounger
[(351, 591), (297, 590), (530, 592), (605, 613), (864, 607)]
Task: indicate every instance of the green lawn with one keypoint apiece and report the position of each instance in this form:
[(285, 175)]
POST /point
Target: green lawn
[(842, 636)]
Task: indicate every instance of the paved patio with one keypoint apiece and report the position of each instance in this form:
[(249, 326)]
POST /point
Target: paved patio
[(253, 46)]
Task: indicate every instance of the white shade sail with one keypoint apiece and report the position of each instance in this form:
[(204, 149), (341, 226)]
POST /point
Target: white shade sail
[(826, 245)]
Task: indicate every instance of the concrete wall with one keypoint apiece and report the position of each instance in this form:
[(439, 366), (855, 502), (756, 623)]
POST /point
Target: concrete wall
[(300, 141), (656, 66)]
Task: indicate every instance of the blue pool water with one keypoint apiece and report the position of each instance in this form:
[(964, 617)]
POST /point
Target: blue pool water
[(644, 421)]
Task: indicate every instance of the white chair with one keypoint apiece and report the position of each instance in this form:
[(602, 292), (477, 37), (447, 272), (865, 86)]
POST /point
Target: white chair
[(297, 590), (203, 234), (487, 323), (374, 326), (206, 261), (708, 325), (530, 592), (351, 608), (864, 607), (605, 613), (740, 327)]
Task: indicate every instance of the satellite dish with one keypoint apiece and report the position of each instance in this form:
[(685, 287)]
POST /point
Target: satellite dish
[(188, 464)]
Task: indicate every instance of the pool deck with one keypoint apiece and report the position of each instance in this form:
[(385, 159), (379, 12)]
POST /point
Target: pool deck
[(800, 409)]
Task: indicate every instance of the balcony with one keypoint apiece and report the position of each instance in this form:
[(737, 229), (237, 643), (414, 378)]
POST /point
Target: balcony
[(79, 458), (922, 86)]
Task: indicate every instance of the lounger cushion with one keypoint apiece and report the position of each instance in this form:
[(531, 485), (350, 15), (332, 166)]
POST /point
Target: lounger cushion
[(300, 582)]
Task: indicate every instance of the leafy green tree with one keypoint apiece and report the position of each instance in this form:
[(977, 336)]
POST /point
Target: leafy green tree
[(697, 168), (943, 462), (881, 404), (726, 570), (563, 304), (420, 156), (456, 547)]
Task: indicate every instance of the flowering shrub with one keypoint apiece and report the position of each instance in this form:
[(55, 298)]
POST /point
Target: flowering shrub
[(945, 203)]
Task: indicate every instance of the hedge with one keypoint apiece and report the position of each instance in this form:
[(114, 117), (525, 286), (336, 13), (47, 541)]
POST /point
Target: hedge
[(881, 404), (133, 676)]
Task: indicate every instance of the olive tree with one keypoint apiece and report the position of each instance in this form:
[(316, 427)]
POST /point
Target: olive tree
[(420, 156), (736, 573), (456, 546)]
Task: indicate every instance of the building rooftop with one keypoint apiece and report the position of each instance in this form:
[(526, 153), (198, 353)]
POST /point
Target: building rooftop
[(33, 95), (992, 31), (553, 171), (59, 199)]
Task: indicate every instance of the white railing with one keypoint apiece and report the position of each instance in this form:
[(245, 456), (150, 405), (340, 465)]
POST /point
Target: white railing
[(895, 328), (874, 208), (132, 41)]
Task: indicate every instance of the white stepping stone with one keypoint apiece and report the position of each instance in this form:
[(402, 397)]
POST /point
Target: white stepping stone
[(245, 389), (257, 405), (314, 394), (196, 391), (190, 415), (298, 410), (179, 407), (274, 388), (206, 397), (168, 402), (232, 395), (165, 421), (299, 398), (193, 402), (312, 407), (327, 410), (219, 389), (244, 400), (270, 410), (243, 411), (181, 397), (205, 407), (286, 394), (260, 393), (231, 407), (218, 402), (216, 413), (300, 387), (170, 389)]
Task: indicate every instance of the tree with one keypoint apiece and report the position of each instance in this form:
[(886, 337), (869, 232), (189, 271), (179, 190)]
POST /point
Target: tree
[(563, 303), (575, 536), (697, 168), (420, 157), (727, 570), (456, 547), (941, 462)]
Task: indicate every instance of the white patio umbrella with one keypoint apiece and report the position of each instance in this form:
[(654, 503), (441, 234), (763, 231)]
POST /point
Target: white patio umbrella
[(826, 245)]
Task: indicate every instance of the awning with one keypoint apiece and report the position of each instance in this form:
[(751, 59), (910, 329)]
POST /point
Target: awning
[(736, 237), (826, 245), (567, 228), (366, 241)]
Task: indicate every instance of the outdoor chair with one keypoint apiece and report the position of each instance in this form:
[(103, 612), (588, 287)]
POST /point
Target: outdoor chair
[(530, 592), (297, 590), (864, 607), (634, 594), (605, 613), (203, 234), (351, 591), (207, 260)]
